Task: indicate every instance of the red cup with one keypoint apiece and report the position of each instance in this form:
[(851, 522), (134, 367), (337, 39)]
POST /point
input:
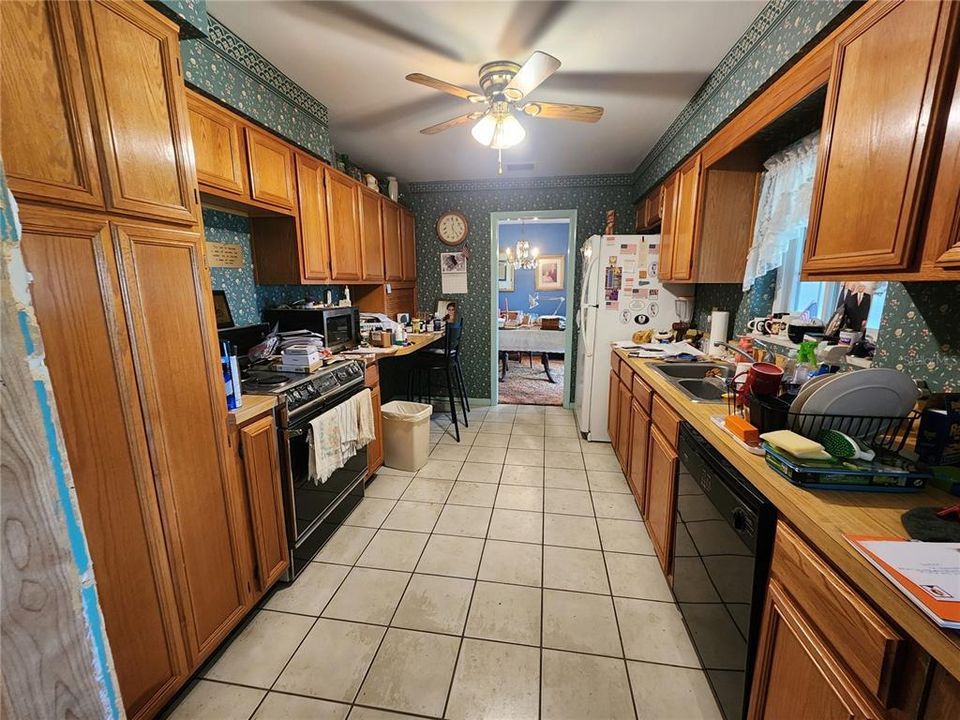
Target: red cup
[(762, 379)]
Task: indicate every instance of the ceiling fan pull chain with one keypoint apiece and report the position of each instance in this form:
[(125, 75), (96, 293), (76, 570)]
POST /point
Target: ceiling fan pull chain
[(499, 161)]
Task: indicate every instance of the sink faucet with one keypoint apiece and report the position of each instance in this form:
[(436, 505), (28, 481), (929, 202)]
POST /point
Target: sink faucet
[(769, 357)]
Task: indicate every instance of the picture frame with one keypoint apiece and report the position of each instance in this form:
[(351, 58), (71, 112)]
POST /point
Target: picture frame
[(505, 276), (221, 309), (442, 308), (549, 273)]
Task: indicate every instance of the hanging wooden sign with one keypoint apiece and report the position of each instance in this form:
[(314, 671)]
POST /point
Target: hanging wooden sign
[(224, 255)]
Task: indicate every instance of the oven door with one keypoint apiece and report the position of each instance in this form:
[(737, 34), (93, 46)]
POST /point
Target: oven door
[(310, 502)]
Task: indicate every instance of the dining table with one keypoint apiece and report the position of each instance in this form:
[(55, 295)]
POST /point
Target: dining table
[(530, 339)]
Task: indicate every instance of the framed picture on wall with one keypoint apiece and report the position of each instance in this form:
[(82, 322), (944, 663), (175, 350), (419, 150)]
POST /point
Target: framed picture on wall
[(505, 276), (549, 272)]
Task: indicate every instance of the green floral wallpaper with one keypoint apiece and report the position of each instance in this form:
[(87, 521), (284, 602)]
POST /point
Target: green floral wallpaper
[(742, 306), (237, 283), (589, 195), (224, 67), (779, 33), (190, 15)]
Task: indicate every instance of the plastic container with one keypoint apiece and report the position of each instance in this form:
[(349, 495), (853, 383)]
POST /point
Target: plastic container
[(406, 434)]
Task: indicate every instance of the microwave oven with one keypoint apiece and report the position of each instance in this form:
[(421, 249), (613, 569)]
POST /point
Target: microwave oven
[(340, 326)]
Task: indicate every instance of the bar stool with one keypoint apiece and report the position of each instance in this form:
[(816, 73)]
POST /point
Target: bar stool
[(446, 359)]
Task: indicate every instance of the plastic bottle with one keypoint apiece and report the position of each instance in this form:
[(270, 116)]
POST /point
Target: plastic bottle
[(227, 376)]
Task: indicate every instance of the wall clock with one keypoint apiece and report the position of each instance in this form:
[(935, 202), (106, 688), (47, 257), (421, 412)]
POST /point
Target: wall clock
[(452, 227)]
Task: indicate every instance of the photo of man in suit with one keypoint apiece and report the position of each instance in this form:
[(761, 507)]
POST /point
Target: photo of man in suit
[(855, 298)]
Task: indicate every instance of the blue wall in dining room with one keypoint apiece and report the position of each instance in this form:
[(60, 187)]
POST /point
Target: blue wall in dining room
[(551, 239)]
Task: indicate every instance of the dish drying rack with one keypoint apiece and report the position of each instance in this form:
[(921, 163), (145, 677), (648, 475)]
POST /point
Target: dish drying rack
[(884, 434)]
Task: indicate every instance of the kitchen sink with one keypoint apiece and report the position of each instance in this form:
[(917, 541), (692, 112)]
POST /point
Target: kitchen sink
[(691, 379)]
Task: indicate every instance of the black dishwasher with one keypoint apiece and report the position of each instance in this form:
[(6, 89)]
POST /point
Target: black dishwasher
[(723, 541)]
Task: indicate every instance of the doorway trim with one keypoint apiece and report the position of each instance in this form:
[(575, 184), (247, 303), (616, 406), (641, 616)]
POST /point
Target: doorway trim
[(572, 269)]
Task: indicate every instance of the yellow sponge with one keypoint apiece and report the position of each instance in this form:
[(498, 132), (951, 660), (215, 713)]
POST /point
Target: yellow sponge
[(796, 445)]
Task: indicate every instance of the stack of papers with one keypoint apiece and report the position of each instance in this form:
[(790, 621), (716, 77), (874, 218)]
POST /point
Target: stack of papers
[(658, 350), (926, 572)]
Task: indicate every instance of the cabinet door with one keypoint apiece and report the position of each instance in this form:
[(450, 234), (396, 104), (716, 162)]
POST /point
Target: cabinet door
[(882, 103), (639, 440), (375, 448), (624, 399), (408, 243), (613, 410), (371, 234), (271, 169), (667, 223), (392, 250), (942, 241), (48, 147), (795, 675), (661, 496), (179, 374), (134, 57), (76, 296), (314, 231), (217, 146), (684, 229), (652, 207), (258, 443), (344, 218)]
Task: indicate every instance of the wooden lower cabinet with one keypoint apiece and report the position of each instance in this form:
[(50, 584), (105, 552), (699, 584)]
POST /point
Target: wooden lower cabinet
[(375, 448), (661, 496), (613, 409), (261, 474), (624, 398), (796, 676), (639, 444)]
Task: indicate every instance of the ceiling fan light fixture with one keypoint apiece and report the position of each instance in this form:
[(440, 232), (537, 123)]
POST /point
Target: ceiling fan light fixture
[(483, 131), (498, 131)]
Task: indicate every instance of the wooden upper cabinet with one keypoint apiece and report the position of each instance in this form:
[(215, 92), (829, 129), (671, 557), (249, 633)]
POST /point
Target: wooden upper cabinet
[(314, 229), (941, 247), (667, 223), (47, 141), (795, 674), (392, 250), (271, 169), (133, 54), (174, 333), (653, 207), (258, 443), (685, 223), (883, 99), (408, 244), (371, 234), (661, 498), (217, 146), (344, 221), (77, 297)]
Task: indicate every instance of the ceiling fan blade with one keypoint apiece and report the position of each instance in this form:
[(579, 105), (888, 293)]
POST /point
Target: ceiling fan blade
[(446, 87), (529, 22), (453, 122), (534, 71), (563, 111)]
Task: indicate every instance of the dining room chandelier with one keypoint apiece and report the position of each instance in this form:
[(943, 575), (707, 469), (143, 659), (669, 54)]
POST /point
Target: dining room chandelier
[(524, 257)]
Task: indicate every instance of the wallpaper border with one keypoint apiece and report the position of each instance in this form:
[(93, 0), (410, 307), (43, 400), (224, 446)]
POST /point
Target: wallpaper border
[(553, 181)]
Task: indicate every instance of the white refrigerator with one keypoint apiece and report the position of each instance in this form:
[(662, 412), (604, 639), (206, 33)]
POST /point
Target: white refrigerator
[(620, 294)]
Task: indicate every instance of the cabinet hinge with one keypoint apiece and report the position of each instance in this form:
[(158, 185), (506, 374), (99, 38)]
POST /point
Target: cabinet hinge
[(179, 68), (196, 195)]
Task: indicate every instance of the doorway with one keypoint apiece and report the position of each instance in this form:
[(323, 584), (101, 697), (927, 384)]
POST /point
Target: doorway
[(533, 272)]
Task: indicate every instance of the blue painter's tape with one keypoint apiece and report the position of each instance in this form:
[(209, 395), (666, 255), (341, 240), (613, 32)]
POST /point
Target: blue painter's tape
[(25, 331), (74, 532), (91, 609)]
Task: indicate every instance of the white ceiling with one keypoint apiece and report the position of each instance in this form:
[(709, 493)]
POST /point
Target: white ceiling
[(641, 61)]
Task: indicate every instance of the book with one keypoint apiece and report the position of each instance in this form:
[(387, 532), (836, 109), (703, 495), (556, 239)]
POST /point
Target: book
[(927, 573)]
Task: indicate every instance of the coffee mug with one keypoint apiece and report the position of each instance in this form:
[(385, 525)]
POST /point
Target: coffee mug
[(762, 379), (848, 337), (760, 325)]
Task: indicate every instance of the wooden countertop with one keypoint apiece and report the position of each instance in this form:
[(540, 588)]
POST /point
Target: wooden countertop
[(417, 342), (253, 405), (822, 516)]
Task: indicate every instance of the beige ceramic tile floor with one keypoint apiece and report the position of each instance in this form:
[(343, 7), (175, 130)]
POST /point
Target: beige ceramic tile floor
[(512, 577)]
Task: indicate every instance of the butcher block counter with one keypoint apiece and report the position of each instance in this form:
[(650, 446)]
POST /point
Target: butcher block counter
[(253, 405), (822, 517)]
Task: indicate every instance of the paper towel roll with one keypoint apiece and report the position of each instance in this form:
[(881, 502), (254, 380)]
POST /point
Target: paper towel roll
[(718, 329)]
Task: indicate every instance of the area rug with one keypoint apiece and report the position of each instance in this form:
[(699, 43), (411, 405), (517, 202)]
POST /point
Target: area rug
[(529, 386)]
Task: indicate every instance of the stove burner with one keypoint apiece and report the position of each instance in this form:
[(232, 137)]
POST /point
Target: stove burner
[(270, 379)]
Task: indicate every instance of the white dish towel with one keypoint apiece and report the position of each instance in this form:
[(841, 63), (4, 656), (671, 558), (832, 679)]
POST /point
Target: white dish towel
[(336, 435)]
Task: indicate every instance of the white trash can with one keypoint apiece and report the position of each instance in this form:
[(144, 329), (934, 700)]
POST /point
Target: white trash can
[(406, 434)]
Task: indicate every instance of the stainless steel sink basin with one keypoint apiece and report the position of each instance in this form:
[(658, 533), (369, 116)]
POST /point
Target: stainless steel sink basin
[(690, 378)]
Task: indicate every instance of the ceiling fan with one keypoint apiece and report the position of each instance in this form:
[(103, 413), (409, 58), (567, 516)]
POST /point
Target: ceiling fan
[(505, 86)]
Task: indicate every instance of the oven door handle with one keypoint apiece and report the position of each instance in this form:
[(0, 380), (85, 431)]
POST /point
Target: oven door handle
[(294, 433)]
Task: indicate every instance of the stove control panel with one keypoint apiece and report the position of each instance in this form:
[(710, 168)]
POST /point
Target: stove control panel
[(321, 385)]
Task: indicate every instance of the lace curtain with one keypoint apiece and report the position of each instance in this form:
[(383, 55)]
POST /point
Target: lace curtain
[(784, 207)]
